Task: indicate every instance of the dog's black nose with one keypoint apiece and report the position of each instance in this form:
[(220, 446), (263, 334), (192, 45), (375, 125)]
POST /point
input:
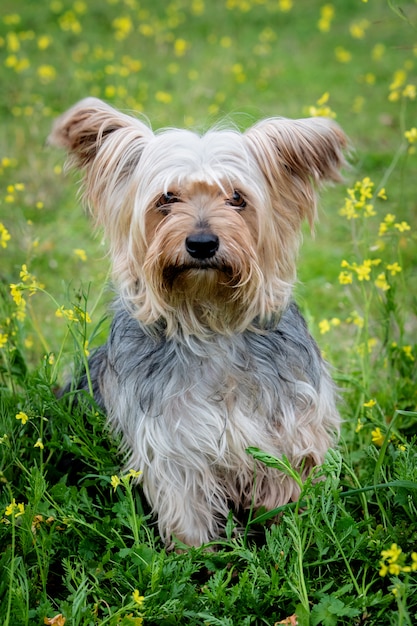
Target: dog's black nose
[(202, 245)]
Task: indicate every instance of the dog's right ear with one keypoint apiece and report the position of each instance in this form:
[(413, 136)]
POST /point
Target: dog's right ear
[(83, 129)]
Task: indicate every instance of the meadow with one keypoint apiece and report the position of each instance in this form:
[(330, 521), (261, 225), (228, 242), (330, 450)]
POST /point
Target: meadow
[(77, 543)]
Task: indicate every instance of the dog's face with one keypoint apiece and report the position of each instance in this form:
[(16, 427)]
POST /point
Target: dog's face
[(203, 230)]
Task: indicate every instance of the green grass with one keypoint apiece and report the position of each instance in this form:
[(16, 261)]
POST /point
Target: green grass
[(74, 547)]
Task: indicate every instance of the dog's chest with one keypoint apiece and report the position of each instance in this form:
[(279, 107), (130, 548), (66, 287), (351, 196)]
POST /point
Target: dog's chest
[(213, 395)]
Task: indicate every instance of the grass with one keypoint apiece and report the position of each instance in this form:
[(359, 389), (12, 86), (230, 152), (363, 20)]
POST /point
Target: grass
[(77, 545)]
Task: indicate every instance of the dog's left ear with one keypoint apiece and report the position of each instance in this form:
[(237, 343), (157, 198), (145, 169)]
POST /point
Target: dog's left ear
[(308, 151)]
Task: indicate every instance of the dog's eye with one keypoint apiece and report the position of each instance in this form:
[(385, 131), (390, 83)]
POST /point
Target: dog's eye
[(165, 199), (237, 201)]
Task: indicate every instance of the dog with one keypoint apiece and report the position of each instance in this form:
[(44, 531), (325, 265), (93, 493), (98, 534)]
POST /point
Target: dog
[(207, 353)]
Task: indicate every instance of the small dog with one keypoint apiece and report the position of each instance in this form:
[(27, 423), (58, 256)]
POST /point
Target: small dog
[(207, 353)]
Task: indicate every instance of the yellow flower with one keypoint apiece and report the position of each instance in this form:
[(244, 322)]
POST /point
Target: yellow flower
[(356, 319), (69, 314), (44, 41), (39, 444), (322, 110), (382, 194), (138, 599), (326, 16), (377, 437), (394, 268), (115, 482), (123, 27), (345, 278), (409, 91), (46, 73), (4, 236), (285, 5), (402, 227), (3, 339), (411, 135), (15, 291), (13, 507), (342, 55), (357, 29), (324, 326), (378, 51), (163, 96), (369, 404), (408, 351), (22, 416), (363, 271), (134, 474), (381, 282), (180, 47)]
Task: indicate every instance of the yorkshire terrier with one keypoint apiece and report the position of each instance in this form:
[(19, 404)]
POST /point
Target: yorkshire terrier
[(207, 354)]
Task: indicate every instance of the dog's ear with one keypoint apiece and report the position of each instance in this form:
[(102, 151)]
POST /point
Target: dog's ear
[(299, 155), (83, 129)]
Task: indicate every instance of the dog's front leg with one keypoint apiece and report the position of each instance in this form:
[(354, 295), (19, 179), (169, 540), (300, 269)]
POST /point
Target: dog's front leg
[(190, 507)]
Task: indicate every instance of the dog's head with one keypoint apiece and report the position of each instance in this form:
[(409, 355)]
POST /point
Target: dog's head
[(203, 230)]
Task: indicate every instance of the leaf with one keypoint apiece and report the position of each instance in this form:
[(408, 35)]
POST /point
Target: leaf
[(327, 611)]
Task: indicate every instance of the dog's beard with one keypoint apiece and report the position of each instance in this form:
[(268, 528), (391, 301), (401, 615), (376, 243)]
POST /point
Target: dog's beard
[(206, 297)]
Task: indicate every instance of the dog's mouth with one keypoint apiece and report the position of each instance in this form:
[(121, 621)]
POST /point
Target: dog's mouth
[(197, 269)]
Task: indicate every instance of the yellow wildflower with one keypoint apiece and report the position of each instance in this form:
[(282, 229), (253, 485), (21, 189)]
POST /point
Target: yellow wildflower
[(377, 437), (15, 508), (39, 444), (409, 91), (322, 109), (378, 51), (381, 282), (46, 73), (345, 278), (408, 351), (357, 29), (411, 135), (69, 314), (123, 27), (138, 599), (394, 268), (115, 481), (371, 403), (342, 55), (356, 319), (402, 227), (180, 47), (324, 326), (134, 473), (16, 293), (363, 271), (3, 339), (163, 96), (22, 416), (326, 16), (4, 236), (44, 41)]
